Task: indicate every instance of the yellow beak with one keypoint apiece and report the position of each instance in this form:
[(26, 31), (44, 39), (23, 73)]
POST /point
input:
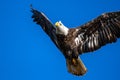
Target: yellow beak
[(57, 24)]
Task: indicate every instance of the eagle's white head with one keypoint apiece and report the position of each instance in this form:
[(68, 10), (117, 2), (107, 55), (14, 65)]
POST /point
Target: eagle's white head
[(61, 29)]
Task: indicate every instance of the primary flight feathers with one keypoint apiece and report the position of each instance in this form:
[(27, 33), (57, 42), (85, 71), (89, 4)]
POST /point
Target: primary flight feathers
[(86, 38)]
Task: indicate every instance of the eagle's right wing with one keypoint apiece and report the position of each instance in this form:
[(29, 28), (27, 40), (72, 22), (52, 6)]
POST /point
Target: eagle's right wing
[(99, 32), (45, 23)]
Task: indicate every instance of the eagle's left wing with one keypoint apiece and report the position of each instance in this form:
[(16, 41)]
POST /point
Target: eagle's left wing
[(45, 23), (98, 32)]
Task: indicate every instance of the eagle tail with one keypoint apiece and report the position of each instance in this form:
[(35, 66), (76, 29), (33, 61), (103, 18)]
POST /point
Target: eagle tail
[(76, 66)]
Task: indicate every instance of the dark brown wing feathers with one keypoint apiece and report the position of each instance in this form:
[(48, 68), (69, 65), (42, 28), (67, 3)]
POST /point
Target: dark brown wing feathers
[(45, 23), (100, 31), (95, 34)]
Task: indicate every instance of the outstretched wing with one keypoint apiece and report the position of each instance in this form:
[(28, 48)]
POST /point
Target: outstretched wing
[(45, 23), (98, 32)]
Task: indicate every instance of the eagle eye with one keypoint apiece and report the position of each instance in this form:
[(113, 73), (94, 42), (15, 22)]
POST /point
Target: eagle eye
[(60, 24)]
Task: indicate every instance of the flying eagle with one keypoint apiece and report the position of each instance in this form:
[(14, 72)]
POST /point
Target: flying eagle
[(89, 37)]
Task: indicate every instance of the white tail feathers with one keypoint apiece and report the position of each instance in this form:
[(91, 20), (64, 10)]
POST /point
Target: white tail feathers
[(76, 67)]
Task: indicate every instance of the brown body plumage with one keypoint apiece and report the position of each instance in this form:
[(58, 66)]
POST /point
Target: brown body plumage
[(71, 53)]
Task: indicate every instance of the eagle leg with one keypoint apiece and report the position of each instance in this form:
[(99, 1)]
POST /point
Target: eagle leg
[(75, 53)]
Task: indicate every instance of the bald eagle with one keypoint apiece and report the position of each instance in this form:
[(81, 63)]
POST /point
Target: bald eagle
[(89, 37)]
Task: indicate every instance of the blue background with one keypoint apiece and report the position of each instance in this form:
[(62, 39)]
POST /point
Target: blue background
[(27, 53)]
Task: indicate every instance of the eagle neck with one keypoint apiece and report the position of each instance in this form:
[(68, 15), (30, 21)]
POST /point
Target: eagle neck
[(63, 30)]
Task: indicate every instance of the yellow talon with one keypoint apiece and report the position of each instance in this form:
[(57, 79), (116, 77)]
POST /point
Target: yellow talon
[(73, 61)]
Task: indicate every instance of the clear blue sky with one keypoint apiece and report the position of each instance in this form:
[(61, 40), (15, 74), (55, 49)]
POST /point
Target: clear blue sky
[(27, 53)]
